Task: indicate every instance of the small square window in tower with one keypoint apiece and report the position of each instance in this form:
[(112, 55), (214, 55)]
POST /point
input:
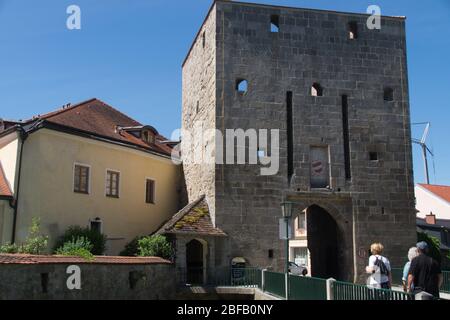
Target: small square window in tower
[(275, 24), (242, 86), (353, 30), (373, 156), (316, 90), (388, 94)]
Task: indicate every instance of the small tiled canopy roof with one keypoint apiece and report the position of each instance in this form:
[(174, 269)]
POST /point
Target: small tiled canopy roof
[(193, 219), (98, 118), (442, 192), (5, 190), (16, 259)]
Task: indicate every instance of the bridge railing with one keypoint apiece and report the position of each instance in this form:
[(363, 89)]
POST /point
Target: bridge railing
[(300, 288), (354, 292), (220, 277), (397, 275), (307, 288)]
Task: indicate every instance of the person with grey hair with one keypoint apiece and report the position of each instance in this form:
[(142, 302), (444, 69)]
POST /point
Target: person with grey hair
[(412, 254), (425, 274)]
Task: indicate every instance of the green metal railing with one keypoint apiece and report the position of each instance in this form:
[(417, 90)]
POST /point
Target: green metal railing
[(300, 288), (397, 275), (354, 292), (306, 288), (222, 277), (247, 277), (275, 283), (446, 286)]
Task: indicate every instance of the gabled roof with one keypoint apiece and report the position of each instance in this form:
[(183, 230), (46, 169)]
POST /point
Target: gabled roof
[(97, 119), (193, 219), (442, 192), (5, 190)]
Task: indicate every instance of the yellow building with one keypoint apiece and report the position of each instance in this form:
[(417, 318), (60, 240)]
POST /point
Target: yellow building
[(87, 165)]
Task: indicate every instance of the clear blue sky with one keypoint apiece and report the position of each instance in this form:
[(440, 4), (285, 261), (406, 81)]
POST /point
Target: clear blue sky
[(129, 54)]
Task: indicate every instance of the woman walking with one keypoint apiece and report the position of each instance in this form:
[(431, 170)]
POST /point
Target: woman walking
[(413, 253), (379, 268)]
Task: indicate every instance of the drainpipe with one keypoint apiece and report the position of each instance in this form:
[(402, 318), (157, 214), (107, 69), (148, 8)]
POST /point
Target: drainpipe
[(23, 137)]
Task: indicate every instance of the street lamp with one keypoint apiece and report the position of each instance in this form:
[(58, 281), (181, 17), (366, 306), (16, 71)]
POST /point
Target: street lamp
[(286, 209)]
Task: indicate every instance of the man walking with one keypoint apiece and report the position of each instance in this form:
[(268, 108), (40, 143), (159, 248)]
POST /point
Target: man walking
[(425, 274)]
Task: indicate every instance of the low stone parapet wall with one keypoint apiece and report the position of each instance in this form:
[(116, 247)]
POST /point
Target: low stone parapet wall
[(24, 277)]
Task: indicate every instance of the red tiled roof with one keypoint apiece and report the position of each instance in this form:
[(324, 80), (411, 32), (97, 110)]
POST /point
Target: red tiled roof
[(31, 259), (99, 118), (5, 190), (193, 219), (441, 191)]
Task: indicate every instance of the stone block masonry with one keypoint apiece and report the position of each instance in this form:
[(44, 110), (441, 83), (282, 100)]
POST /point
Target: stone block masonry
[(25, 277), (349, 101)]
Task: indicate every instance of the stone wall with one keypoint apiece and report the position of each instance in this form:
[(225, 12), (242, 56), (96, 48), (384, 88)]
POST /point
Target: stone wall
[(98, 282), (198, 115), (313, 46)]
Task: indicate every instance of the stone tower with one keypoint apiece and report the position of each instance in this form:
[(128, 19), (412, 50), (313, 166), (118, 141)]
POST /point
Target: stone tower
[(338, 94)]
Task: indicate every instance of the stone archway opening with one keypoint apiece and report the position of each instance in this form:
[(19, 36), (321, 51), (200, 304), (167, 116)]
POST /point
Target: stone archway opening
[(196, 262), (324, 243)]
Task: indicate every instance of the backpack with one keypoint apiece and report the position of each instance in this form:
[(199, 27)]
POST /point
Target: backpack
[(383, 268)]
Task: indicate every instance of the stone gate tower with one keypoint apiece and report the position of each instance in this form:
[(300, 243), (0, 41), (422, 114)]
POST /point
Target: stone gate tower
[(338, 93)]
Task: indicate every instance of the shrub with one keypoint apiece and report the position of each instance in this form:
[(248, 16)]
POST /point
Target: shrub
[(79, 247), (9, 249), (35, 243), (155, 246), (97, 239), (132, 248)]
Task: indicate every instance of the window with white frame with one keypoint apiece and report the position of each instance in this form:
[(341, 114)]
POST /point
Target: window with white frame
[(301, 256), (112, 184)]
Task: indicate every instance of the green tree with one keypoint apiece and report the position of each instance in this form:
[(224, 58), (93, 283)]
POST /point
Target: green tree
[(155, 246), (434, 245), (35, 243)]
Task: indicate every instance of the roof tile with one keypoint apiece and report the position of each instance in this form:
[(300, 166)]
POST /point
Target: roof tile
[(33, 259), (441, 191), (5, 190), (96, 117), (193, 219)]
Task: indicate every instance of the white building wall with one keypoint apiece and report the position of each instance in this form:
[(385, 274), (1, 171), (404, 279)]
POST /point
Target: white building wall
[(9, 150), (428, 202)]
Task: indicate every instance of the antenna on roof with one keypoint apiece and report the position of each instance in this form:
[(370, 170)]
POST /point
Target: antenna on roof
[(425, 150)]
